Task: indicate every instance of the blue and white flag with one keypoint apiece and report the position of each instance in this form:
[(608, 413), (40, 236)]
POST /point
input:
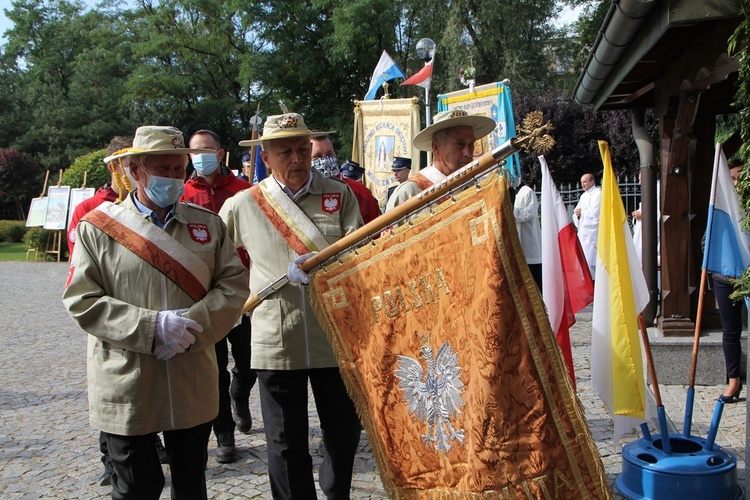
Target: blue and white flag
[(385, 70), (726, 250), (260, 171)]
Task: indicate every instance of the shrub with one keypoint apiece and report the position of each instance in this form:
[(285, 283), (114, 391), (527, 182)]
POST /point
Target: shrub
[(36, 237), (12, 230), (97, 173)]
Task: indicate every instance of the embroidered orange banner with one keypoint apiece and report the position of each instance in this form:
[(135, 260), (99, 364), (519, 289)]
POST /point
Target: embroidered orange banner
[(446, 349)]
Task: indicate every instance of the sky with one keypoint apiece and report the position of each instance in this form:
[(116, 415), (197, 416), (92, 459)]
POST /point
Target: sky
[(568, 15)]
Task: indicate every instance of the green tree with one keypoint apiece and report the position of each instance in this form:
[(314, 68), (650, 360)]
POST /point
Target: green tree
[(66, 67), (20, 181), (97, 173), (577, 130), (196, 67)]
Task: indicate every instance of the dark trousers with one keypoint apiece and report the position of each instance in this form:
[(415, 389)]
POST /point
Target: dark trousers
[(137, 471), (283, 398), (243, 377), (103, 447), (731, 327), (536, 273)]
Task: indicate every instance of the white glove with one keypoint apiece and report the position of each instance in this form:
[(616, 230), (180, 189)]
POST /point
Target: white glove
[(297, 275), (164, 352), (172, 330)]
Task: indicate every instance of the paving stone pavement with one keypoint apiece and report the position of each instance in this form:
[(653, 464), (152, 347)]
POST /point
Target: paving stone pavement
[(48, 449)]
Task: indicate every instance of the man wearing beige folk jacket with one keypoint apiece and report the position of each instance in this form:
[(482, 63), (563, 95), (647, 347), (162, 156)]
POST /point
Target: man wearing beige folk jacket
[(156, 284), (280, 222)]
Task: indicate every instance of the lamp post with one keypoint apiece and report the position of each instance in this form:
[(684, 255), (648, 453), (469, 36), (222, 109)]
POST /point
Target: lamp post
[(426, 52)]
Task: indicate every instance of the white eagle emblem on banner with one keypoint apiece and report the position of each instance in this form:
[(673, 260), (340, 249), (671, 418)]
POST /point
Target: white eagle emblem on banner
[(434, 394)]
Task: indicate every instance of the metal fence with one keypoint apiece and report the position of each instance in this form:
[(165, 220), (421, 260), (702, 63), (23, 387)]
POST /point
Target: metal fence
[(630, 191)]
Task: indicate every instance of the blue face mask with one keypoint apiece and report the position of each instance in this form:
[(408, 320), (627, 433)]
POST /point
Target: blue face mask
[(164, 191), (205, 164)]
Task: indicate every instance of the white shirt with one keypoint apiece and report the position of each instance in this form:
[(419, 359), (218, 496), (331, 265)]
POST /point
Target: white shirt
[(526, 212), (588, 224)]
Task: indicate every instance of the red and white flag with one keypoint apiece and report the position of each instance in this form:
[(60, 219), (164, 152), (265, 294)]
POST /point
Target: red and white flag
[(567, 286), (423, 77)]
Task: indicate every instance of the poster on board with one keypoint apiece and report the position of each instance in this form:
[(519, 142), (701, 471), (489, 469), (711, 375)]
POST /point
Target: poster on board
[(57, 207), (77, 195), (493, 100), (383, 130), (37, 212)]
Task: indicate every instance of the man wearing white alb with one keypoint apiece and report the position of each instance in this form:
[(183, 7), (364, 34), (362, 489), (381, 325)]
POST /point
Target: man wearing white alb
[(587, 219), (526, 212)]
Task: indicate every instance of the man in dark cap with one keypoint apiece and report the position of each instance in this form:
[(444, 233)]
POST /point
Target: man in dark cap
[(352, 170), (401, 169), (246, 168)]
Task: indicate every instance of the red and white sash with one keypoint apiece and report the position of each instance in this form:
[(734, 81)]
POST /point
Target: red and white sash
[(155, 246), (289, 220)]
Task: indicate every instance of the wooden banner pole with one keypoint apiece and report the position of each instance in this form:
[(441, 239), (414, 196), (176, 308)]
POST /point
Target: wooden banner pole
[(535, 139)]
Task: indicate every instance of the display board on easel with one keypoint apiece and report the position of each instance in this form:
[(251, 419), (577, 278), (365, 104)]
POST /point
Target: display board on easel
[(56, 216), (37, 212), (78, 195), (58, 198)]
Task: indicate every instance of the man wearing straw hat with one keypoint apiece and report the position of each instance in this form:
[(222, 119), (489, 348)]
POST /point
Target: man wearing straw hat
[(451, 138), (280, 222), (156, 284)]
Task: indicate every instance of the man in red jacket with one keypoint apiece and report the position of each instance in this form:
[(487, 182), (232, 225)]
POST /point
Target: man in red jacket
[(210, 186), (324, 160), (108, 192)]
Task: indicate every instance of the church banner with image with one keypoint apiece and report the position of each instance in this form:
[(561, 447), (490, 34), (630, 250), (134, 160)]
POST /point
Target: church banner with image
[(493, 100), (383, 130), (447, 352)]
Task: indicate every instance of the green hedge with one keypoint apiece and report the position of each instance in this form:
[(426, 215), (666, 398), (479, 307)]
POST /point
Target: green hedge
[(36, 237), (12, 231)]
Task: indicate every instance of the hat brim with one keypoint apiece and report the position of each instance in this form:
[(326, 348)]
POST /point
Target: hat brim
[(176, 151), (288, 135), (482, 126)]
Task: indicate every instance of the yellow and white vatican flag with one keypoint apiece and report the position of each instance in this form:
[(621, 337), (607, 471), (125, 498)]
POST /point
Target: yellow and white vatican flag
[(620, 294), (446, 349)]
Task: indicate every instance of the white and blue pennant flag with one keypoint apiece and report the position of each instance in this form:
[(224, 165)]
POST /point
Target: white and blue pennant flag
[(726, 249), (385, 70)]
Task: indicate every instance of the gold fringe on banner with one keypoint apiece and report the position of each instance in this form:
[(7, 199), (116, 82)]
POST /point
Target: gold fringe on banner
[(445, 347)]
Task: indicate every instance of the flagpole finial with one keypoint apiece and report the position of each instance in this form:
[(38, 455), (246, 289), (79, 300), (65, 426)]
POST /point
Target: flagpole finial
[(535, 134)]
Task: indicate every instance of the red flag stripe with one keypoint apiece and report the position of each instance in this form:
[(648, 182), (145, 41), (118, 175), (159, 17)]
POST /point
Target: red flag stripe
[(420, 76)]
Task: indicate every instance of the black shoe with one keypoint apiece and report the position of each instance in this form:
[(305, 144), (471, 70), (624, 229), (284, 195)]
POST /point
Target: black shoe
[(242, 417), (163, 458), (226, 453), (732, 398), (106, 478)]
